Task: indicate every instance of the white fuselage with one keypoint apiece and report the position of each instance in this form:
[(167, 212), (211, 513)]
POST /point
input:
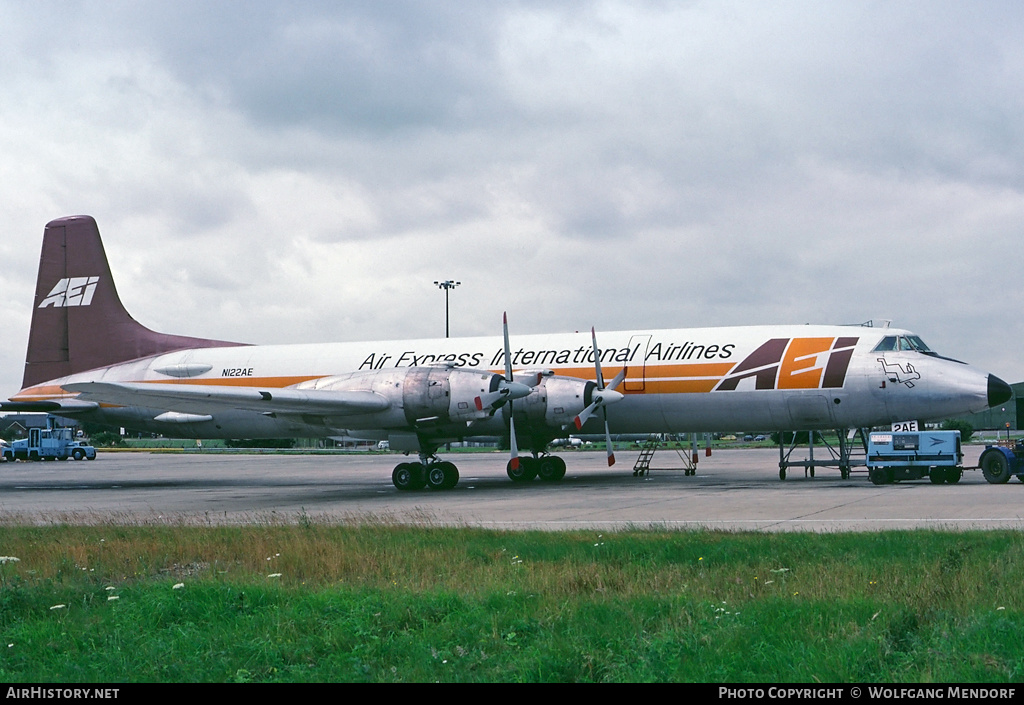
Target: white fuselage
[(759, 378)]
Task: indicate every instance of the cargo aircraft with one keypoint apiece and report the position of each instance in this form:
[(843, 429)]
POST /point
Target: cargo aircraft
[(89, 359)]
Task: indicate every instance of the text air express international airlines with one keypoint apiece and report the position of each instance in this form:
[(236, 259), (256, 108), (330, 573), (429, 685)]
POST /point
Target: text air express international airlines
[(89, 359)]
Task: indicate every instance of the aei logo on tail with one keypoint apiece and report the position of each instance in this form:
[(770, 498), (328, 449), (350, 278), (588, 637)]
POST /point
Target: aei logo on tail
[(71, 291)]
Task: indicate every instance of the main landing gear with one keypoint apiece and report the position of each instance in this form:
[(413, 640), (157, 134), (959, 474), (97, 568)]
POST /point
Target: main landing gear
[(439, 474), (549, 468), (433, 473)]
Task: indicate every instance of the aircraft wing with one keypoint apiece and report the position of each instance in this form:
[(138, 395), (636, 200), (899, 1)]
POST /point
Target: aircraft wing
[(203, 399)]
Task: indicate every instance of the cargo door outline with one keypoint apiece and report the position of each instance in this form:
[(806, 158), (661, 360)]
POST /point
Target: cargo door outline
[(636, 373)]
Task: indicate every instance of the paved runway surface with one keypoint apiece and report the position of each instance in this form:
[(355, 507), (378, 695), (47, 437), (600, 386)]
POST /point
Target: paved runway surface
[(733, 490)]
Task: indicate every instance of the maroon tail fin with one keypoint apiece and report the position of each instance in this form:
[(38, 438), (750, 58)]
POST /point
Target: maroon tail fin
[(78, 321)]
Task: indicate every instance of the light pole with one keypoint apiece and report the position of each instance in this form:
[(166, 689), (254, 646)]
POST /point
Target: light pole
[(447, 285)]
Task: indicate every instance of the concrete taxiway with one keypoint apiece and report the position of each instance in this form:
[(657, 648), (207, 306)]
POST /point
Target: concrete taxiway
[(735, 489)]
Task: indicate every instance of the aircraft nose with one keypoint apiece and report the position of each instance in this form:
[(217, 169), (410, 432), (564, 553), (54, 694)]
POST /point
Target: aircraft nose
[(999, 392)]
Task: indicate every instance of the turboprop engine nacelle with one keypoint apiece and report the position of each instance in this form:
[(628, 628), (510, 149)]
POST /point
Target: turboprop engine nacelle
[(425, 396), (557, 401)]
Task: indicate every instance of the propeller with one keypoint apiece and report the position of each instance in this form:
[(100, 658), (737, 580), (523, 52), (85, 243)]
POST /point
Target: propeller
[(514, 461), (600, 398), (506, 389)]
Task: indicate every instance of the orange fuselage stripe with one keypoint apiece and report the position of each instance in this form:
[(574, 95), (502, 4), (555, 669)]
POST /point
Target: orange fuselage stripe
[(657, 379)]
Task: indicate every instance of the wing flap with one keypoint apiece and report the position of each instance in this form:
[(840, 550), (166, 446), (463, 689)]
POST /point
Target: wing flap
[(204, 399)]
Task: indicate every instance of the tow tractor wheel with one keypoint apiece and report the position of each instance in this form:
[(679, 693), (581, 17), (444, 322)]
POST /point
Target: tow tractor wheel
[(995, 467), (408, 476), (953, 475), (442, 475), (879, 476), (551, 468)]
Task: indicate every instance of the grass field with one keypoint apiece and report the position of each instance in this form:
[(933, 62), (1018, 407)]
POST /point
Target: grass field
[(318, 602)]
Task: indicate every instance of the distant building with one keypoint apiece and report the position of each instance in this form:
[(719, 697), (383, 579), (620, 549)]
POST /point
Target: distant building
[(13, 426)]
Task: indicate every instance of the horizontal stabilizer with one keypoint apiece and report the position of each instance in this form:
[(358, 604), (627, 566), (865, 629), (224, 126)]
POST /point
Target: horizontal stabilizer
[(55, 406), (194, 398)]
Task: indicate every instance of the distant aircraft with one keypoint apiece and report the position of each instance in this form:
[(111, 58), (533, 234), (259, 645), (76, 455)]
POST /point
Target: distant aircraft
[(88, 358)]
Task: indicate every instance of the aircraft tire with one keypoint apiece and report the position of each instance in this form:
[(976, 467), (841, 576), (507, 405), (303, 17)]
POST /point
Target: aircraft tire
[(408, 476), (435, 476), (782, 473), (526, 471), (551, 468), (453, 476), (442, 475), (995, 467)]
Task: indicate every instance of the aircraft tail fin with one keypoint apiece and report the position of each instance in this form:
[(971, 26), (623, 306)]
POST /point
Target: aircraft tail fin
[(78, 320)]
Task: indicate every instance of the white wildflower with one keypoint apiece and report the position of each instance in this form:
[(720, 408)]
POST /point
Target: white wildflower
[(9, 559)]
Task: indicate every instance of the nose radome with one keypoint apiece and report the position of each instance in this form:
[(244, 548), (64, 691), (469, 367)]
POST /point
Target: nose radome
[(999, 392)]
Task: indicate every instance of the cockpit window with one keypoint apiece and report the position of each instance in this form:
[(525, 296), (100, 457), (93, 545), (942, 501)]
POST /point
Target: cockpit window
[(889, 342), (910, 343), (918, 344)]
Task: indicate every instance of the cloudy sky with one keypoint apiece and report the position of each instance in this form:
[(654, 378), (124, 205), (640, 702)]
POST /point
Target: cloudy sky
[(276, 172)]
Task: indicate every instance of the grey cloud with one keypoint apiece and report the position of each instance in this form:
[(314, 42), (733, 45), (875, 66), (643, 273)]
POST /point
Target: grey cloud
[(616, 164)]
